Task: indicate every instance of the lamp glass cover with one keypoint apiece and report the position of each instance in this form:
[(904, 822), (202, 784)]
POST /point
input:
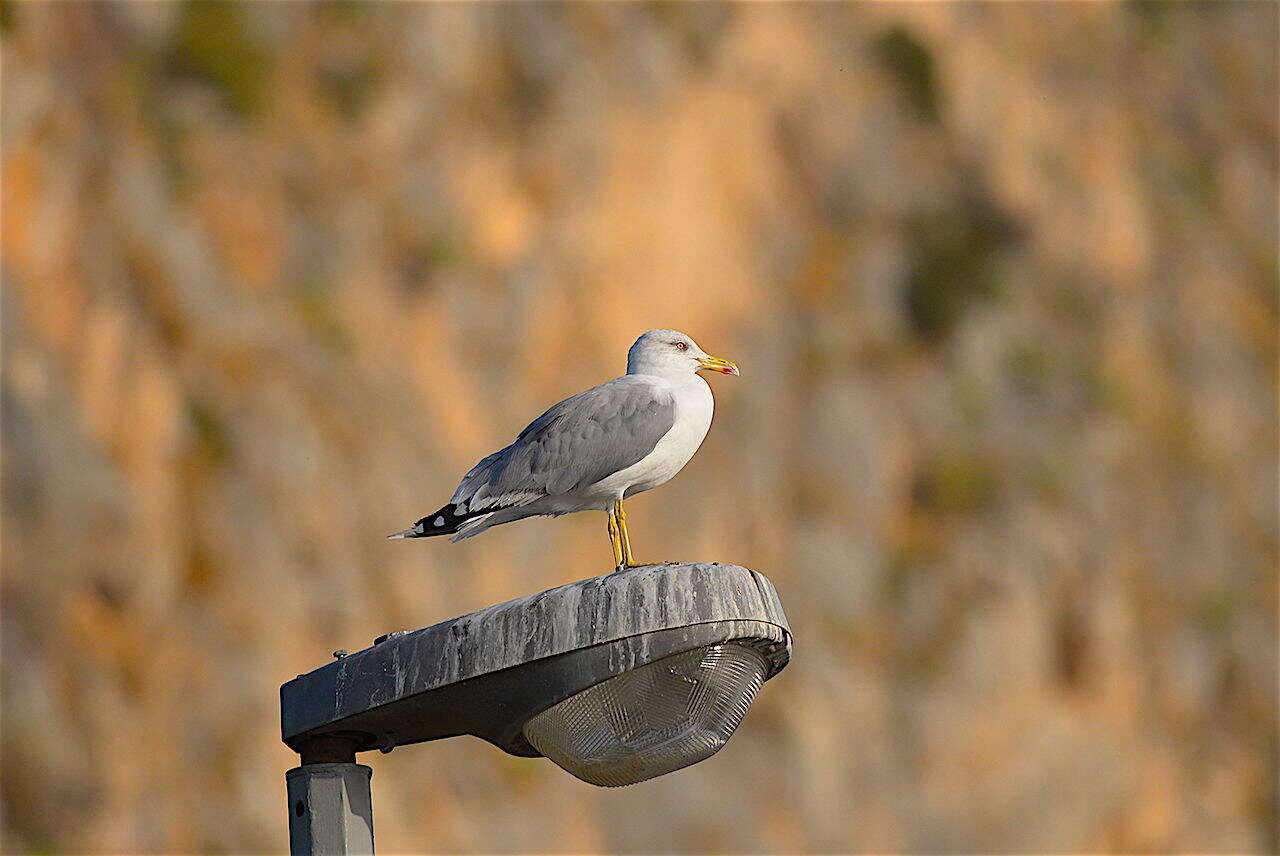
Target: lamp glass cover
[(653, 719)]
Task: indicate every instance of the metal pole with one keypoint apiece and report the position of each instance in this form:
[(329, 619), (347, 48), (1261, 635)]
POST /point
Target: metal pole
[(330, 804)]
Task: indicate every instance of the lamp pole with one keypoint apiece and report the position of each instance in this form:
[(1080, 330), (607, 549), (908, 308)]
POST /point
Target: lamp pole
[(330, 803)]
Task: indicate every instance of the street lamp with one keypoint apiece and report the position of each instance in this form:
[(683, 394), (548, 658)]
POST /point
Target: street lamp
[(617, 679)]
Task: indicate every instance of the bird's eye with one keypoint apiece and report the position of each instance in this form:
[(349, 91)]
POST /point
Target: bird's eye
[(680, 346)]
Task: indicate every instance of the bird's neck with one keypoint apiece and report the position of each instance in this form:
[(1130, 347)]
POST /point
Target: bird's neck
[(674, 380)]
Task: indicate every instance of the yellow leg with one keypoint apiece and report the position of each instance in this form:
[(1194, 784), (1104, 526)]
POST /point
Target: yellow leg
[(628, 559), (615, 539)]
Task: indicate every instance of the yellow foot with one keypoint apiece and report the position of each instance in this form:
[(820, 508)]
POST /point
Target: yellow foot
[(626, 565)]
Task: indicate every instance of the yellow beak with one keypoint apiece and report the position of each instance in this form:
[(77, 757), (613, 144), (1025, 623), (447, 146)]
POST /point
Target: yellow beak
[(716, 364)]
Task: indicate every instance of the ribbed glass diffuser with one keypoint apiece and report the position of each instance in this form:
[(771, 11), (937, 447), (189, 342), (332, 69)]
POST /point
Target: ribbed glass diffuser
[(651, 720)]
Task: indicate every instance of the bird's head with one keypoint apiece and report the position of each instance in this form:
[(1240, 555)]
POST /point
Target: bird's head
[(672, 354)]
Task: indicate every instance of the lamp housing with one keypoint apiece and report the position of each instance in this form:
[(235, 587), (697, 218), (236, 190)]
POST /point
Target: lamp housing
[(617, 678)]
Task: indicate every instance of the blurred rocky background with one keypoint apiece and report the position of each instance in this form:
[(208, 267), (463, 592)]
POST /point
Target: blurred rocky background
[(1002, 281)]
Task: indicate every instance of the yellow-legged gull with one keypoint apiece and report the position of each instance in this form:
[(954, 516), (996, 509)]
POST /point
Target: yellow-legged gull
[(595, 449)]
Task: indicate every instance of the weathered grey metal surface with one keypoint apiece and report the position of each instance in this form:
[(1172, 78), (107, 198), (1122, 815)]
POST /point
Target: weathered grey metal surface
[(588, 612), (626, 619), (330, 810)]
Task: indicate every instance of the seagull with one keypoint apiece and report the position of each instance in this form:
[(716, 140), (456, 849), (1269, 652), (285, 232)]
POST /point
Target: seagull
[(595, 449)]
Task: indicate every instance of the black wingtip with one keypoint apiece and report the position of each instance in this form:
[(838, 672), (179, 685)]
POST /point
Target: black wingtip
[(444, 522)]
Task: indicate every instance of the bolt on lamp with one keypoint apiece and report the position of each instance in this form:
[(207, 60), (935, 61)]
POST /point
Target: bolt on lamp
[(616, 679)]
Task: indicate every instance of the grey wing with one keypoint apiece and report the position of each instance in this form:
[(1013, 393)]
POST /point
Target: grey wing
[(576, 443)]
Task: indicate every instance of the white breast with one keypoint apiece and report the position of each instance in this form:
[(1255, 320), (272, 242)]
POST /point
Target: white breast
[(694, 406)]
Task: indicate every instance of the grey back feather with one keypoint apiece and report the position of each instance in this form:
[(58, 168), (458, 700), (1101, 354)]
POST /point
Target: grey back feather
[(576, 443)]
